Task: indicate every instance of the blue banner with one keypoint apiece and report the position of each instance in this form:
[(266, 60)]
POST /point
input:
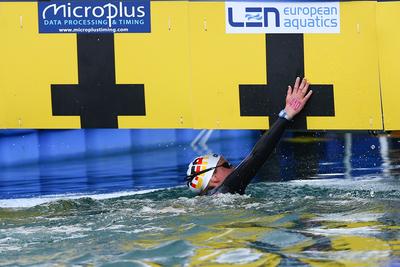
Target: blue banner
[(92, 16)]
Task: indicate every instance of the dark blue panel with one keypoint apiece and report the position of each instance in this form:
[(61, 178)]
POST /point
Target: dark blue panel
[(61, 144), (105, 141), (19, 149)]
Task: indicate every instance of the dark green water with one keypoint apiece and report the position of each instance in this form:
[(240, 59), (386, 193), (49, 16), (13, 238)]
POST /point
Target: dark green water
[(339, 206), (298, 223)]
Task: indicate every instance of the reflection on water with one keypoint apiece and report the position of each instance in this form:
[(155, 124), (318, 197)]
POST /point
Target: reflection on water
[(105, 169), (298, 223), (325, 200)]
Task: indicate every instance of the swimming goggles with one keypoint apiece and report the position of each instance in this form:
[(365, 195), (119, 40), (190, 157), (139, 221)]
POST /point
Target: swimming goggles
[(225, 165)]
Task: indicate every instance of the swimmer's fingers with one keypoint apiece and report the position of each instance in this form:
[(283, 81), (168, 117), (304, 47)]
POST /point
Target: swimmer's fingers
[(289, 92), (308, 95), (304, 89), (296, 85)]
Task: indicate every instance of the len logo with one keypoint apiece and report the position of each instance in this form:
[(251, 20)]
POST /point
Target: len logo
[(255, 13)]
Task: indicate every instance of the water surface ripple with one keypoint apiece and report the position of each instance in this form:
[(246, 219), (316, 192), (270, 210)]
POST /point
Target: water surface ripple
[(331, 201), (287, 224)]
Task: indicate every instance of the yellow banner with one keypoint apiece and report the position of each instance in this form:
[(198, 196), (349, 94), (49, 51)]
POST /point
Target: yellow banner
[(388, 20), (189, 73)]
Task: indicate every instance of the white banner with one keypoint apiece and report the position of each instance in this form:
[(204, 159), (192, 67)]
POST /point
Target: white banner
[(282, 17)]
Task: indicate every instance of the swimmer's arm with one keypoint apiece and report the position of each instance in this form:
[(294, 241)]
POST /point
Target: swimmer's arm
[(296, 99), (238, 180)]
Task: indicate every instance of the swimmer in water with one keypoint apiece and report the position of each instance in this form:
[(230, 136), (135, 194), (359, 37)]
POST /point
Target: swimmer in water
[(211, 174)]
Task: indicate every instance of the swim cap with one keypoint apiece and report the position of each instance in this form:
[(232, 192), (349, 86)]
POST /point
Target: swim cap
[(200, 182)]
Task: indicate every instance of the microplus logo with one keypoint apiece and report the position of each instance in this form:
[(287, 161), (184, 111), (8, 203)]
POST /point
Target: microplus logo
[(282, 17), (93, 16), (108, 11)]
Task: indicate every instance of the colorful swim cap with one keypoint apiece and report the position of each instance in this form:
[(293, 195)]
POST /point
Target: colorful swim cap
[(199, 183)]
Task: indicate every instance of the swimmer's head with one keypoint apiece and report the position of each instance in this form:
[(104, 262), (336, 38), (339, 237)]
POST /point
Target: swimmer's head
[(202, 173)]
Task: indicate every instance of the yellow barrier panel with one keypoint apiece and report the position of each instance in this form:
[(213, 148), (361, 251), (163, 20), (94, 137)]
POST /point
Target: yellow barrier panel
[(222, 62), (388, 20), (30, 63), (160, 61), (189, 73), (349, 61)]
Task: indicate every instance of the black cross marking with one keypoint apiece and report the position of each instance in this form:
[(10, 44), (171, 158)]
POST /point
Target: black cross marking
[(285, 61), (97, 99)]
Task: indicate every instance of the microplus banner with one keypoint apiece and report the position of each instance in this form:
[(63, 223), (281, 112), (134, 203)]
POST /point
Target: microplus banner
[(92, 16), (282, 17)]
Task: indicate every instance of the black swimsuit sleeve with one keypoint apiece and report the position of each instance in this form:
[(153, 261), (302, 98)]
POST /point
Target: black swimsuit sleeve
[(238, 180)]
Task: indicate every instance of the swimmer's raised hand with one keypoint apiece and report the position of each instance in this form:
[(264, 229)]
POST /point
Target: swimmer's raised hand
[(297, 97)]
